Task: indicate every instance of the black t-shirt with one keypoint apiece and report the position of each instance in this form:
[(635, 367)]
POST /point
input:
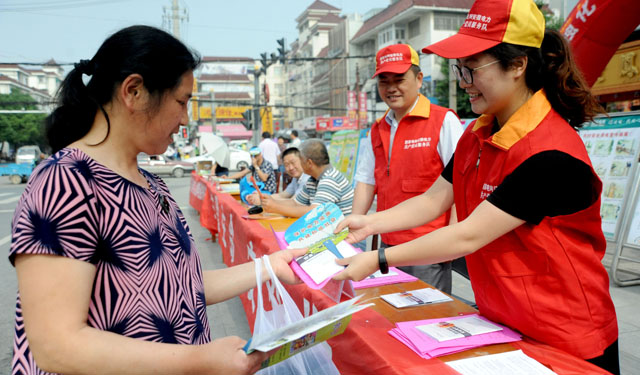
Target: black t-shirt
[(550, 183)]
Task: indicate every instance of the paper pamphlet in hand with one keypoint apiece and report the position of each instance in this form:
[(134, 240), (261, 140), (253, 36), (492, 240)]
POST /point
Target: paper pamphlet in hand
[(416, 297), (459, 328), (314, 230), (307, 332)]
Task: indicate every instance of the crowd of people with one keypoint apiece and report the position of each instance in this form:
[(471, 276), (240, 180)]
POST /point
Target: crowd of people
[(109, 277)]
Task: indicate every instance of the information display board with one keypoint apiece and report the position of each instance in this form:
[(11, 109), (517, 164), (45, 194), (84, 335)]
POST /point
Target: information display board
[(343, 151), (613, 144)]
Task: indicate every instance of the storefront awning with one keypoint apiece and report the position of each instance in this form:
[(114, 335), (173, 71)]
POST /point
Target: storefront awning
[(234, 131)]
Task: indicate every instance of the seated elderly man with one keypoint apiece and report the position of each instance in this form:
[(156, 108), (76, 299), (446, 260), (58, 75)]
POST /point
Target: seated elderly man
[(262, 170), (325, 184), (293, 165)]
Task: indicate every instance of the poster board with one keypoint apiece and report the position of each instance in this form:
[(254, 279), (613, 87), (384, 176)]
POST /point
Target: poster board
[(613, 144), (343, 152)]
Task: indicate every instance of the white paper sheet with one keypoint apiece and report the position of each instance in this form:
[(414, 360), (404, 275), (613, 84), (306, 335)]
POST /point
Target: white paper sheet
[(508, 363)]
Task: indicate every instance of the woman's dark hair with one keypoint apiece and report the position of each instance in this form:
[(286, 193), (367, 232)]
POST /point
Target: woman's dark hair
[(552, 68), (157, 56)]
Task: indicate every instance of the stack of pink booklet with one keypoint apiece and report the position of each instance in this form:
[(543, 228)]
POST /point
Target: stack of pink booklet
[(413, 334)]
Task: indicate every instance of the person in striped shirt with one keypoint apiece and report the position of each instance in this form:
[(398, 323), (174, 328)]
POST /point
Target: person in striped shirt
[(325, 184)]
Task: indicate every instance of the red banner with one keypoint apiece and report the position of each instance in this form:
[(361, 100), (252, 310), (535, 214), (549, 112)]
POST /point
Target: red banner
[(596, 28), (362, 110)]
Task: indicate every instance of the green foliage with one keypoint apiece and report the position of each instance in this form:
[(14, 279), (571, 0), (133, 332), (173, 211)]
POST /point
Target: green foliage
[(442, 93), (21, 128), (551, 20)]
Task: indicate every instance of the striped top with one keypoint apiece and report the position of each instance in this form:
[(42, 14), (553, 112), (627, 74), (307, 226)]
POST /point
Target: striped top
[(332, 186), (148, 283)]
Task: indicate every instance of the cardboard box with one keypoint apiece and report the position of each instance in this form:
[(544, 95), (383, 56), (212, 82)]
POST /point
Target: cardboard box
[(203, 167)]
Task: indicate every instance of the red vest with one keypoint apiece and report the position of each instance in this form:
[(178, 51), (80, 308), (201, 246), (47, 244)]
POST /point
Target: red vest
[(546, 280), (415, 164)]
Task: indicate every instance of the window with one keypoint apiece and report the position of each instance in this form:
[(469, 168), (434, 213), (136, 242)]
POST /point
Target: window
[(414, 28), (385, 36), (277, 89), (448, 21), (400, 34)]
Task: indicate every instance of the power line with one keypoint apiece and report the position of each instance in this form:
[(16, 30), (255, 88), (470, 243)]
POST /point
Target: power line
[(289, 60), (58, 5)]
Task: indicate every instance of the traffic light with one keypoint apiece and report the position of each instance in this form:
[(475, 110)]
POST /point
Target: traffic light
[(185, 132), (282, 50), (246, 119), (264, 62)]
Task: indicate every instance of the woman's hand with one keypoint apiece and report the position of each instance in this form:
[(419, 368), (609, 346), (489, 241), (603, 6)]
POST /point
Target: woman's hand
[(227, 357), (359, 227), (280, 263), (359, 266)]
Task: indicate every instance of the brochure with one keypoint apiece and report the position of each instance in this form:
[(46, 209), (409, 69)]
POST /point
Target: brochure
[(459, 328), (427, 347), (315, 230), (416, 297), (305, 333)]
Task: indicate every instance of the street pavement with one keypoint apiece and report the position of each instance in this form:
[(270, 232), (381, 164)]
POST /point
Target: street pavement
[(228, 318)]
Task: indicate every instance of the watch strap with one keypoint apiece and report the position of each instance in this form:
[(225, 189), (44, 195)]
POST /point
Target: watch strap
[(382, 261)]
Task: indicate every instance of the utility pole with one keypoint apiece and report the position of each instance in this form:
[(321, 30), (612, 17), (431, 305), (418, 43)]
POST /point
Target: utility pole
[(171, 18), (256, 106), (453, 89)]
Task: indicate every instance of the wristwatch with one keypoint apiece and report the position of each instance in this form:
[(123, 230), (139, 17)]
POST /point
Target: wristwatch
[(382, 261)]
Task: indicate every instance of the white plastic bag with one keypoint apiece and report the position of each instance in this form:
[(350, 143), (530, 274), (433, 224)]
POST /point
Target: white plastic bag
[(315, 360)]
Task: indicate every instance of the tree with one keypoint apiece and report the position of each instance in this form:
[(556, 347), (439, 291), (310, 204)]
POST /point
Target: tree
[(442, 93), (551, 20), (21, 128)]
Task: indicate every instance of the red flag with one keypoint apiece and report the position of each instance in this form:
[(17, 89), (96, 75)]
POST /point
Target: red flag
[(596, 28)]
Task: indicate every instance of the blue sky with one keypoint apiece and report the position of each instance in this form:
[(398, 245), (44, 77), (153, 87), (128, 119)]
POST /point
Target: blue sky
[(70, 30)]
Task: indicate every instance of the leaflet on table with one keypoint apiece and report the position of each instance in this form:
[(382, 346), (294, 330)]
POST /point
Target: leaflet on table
[(511, 363), (307, 332), (455, 329), (427, 347), (416, 297)]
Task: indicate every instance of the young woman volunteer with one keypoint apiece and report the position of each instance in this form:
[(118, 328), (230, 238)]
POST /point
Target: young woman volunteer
[(108, 274), (526, 195)]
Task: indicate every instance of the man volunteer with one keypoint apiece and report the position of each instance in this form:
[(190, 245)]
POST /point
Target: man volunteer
[(422, 137), (293, 166)]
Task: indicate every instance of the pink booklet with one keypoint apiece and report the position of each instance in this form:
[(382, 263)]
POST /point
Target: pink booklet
[(427, 347), (395, 275)]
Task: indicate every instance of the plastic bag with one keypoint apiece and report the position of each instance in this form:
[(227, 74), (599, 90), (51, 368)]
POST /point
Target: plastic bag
[(315, 360), (246, 188)]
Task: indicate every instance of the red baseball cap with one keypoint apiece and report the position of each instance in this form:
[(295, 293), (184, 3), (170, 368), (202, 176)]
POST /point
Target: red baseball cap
[(491, 22), (396, 58)]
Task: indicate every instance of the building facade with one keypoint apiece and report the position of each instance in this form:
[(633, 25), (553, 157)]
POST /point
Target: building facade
[(41, 83), (415, 22)]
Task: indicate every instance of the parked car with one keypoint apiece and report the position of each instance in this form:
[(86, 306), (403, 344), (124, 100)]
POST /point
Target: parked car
[(238, 159), (28, 154), (161, 165)]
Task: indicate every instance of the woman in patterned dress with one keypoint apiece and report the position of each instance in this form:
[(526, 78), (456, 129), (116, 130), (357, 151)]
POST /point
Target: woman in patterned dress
[(109, 278)]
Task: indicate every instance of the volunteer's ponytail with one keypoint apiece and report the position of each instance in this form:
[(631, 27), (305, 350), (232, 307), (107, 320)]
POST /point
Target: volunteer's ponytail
[(563, 82)]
